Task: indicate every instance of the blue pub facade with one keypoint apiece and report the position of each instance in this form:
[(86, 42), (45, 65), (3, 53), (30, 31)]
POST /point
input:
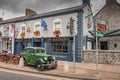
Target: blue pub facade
[(56, 31)]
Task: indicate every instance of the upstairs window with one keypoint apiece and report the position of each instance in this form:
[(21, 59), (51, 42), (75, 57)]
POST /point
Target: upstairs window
[(23, 28), (37, 26), (6, 31), (57, 25)]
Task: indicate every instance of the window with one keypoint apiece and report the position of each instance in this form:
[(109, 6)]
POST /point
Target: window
[(6, 31), (57, 25), (59, 46), (37, 26), (23, 28), (115, 45)]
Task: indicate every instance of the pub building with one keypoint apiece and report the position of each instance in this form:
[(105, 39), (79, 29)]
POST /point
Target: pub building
[(61, 32)]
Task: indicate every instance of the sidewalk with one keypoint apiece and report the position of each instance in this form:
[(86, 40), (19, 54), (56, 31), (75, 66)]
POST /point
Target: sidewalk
[(81, 70)]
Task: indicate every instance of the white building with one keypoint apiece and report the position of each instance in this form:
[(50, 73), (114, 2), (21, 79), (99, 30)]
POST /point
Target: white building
[(69, 22)]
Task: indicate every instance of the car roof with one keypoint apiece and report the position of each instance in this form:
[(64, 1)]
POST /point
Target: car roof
[(35, 48)]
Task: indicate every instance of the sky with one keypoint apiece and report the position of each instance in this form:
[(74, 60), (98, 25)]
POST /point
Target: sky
[(15, 8)]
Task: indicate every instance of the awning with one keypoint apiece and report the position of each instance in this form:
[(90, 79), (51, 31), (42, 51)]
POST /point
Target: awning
[(113, 33)]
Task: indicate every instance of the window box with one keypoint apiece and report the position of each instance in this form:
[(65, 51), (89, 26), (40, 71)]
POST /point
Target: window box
[(57, 32), (36, 33), (22, 34)]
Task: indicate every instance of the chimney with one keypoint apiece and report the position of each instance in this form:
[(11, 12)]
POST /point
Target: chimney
[(1, 19), (30, 12)]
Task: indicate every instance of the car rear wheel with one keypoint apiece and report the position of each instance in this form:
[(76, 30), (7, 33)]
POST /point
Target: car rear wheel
[(40, 66)]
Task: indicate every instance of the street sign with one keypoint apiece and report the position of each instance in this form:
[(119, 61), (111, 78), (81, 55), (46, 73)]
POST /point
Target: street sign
[(100, 34)]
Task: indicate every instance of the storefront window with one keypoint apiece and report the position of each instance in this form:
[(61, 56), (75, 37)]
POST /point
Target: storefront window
[(59, 46)]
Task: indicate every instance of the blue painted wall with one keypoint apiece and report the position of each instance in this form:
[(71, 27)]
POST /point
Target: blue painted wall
[(79, 41)]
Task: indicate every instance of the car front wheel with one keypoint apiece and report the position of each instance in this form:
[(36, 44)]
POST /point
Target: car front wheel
[(40, 66)]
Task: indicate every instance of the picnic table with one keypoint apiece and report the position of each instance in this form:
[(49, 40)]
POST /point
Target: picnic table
[(9, 57)]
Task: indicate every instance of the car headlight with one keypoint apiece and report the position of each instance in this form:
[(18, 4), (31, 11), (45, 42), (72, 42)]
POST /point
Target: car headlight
[(45, 58)]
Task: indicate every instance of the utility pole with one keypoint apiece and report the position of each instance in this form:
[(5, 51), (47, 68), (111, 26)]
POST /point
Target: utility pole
[(96, 49), (74, 51)]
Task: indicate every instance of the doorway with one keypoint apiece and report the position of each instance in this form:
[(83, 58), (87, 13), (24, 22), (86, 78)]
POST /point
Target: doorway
[(103, 45)]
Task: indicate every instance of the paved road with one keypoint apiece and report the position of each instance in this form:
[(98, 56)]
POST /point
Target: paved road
[(13, 76), (6, 74)]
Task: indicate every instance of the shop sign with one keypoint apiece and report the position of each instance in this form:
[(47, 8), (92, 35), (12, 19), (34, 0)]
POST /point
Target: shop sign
[(23, 40), (37, 40), (6, 39), (59, 39)]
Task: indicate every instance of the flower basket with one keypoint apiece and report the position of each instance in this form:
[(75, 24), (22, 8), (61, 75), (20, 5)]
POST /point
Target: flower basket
[(22, 34), (57, 32), (36, 33)]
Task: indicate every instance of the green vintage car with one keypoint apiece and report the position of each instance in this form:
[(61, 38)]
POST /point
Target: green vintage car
[(37, 56)]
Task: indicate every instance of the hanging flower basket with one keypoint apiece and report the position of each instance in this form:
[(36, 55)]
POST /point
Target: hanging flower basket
[(57, 32), (36, 33), (22, 34)]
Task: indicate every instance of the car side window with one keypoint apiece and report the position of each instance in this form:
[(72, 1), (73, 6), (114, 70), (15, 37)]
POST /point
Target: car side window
[(40, 51), (31, 51)]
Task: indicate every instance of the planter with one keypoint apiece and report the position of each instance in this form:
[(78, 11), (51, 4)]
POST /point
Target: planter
[(57, 32), (22, 34), (36, 33)]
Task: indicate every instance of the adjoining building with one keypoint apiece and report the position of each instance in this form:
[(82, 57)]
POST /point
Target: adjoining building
[(63, 32), (111, 14)]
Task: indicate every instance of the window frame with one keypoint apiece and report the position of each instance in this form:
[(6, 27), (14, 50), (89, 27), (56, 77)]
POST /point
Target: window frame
[(25, 28), (39, 27), (57, 20)]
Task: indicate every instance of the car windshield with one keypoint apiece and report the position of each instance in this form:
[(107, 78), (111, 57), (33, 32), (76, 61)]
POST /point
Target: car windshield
[(40, 51), (29, 51)]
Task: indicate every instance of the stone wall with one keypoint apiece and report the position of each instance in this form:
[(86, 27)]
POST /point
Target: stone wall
[(104, 56)]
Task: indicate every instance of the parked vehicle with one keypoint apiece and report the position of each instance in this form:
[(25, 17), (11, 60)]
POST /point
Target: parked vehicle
[(37, 56)]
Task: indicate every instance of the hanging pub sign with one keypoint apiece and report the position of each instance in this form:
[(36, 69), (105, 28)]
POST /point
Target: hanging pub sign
[(59, 39), (101, 27)]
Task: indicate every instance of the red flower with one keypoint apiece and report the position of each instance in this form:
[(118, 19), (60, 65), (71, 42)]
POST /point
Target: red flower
[(57, 32), (36, 33), (22, 34)]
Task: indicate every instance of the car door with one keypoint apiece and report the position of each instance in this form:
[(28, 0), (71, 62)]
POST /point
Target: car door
[(31, 56)]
